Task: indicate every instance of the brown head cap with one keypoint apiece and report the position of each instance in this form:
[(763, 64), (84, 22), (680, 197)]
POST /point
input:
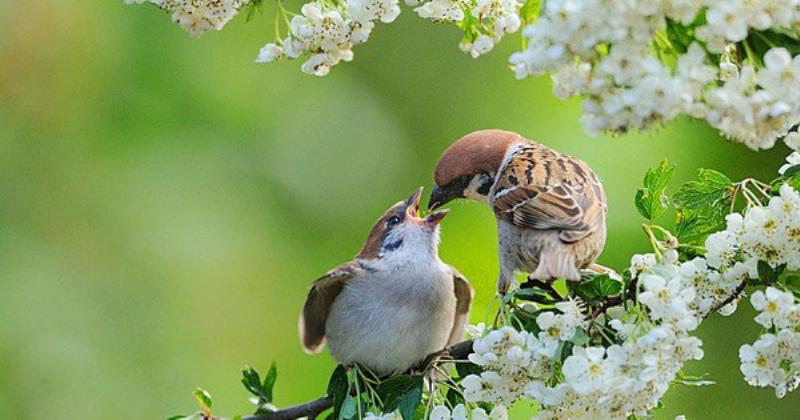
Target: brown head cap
[(479, 151)]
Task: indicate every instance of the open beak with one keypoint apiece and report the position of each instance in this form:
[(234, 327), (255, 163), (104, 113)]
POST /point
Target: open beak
[(434, 218), (412, 210), (412, 204)]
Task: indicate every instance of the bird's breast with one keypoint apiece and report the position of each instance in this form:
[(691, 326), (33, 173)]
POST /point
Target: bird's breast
[(391, 320)]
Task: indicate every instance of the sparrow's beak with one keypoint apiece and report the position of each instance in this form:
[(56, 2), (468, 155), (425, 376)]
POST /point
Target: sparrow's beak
[(412, 204), (412, 211), (441, 196), (434, 218)]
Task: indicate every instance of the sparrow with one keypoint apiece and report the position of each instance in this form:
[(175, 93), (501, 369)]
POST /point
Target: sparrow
[(395, 303), (550, 207)]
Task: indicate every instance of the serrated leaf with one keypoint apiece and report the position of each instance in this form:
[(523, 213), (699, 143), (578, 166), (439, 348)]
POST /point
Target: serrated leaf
[(599, 287), (204, 400), (650, 200), (702, 206)]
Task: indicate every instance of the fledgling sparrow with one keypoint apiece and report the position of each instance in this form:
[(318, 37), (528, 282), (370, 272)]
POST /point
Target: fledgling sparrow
[(550, 207), (395, 303)]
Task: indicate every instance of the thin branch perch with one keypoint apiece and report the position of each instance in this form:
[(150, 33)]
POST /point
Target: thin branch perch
[(311, 409)]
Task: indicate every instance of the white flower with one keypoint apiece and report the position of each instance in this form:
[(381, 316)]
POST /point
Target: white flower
[(793, 140), (269, 53), (774, 306), (585, 369), (440, 412), (441, 10), (759, 364)]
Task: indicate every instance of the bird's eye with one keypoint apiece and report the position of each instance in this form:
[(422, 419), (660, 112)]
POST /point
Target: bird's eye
[(392, 221)]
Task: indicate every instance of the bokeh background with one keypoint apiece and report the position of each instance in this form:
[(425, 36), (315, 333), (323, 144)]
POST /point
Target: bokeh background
[(166, 201)]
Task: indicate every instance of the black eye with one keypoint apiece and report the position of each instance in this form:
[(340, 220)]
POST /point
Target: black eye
[(392, 221)]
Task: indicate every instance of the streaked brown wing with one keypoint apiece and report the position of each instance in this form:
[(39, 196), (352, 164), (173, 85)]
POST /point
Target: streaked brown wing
[(318, 305), (542, 189), (463, 293)]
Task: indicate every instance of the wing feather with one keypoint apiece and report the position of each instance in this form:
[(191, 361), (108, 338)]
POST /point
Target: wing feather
[(318, 305), (543, 189), (463, 293)]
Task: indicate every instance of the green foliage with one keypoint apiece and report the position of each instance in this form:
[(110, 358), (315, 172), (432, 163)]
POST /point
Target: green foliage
[(791, 176), (338, 389), (401, 392), (530, 10), (768, 274), (598, 288), (650, 199), (204, 400), (262, 390), (255, 7), (702, 206)]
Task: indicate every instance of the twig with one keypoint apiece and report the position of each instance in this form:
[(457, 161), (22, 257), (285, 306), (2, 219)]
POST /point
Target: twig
[(729, 299), (312, 409)]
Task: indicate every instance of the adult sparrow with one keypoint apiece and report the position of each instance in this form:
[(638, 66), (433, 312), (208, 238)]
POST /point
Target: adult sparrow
[(550, 207)]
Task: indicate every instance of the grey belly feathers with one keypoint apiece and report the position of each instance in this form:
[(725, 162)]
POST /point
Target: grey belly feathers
[(390, 324)]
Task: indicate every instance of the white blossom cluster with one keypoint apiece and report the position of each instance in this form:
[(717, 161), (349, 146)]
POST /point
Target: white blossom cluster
[(459, 412), (691, 289), (774, 359), (327, 31), (198, 16), (629, 378), (770, 233), (485, 21), (611, 62), (614, 382)]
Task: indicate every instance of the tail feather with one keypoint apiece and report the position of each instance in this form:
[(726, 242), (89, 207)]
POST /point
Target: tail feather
[(556, 264)]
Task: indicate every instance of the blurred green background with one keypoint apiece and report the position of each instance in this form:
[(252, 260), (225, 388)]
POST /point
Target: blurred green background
[(166, 202)]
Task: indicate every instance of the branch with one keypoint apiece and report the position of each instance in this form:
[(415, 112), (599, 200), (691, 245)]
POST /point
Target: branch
[(729, 299), (312, 409)]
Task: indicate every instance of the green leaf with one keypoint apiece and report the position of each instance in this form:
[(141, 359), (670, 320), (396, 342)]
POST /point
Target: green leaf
[(767, 274), (466, 369), (203, 399), (533, 295), (348, 409), (791, 280), (702, 205), (650, 199), (580, 338), (269, 382), (338, 388), (251, 380), (599, 287), (530, 10), (394, 390), (454, 398), (791, 171), (410, 401)]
